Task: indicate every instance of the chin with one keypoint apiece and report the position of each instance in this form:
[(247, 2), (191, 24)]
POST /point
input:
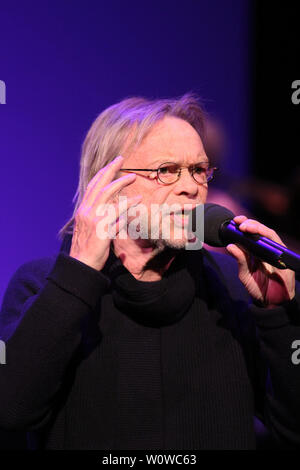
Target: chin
[(175, 244)]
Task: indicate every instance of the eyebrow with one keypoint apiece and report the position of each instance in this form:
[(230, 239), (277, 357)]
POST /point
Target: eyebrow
[(164, 160)]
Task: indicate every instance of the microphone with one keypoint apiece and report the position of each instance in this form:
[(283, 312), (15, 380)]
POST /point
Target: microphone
[(220, 230)]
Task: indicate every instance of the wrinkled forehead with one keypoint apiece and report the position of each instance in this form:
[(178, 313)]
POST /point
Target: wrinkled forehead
[(171, 139)]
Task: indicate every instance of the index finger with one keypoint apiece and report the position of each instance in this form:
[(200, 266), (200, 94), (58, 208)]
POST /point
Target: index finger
[(110, 170), (253, 226)]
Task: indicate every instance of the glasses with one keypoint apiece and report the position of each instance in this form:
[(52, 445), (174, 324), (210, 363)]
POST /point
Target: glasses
[(170, 172)]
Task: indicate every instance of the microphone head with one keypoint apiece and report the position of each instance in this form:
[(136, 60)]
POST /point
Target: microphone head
[(214, 217)]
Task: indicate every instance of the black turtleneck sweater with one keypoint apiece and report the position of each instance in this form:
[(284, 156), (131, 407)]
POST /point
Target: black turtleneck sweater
[(100, 360)]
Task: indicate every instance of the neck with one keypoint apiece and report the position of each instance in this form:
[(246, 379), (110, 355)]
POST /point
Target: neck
[(142, 260)]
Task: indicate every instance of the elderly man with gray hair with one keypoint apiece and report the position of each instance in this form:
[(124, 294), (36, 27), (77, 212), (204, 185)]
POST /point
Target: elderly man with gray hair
[(130, 340)]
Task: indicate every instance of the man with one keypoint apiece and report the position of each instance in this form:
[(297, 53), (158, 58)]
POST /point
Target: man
[(138, 343)]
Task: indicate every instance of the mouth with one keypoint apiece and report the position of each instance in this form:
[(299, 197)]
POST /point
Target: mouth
[(183, 211), (180, 218)]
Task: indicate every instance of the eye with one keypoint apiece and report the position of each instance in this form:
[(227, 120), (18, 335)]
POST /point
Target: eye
[(163, 170), (171, 168), (199, 169)]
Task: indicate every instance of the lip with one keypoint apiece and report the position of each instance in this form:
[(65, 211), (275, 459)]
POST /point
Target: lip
[(187, 210), (179, 219)]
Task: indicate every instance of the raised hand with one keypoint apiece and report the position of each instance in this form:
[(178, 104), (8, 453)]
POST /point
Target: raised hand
[(264, 282), (87, 246)]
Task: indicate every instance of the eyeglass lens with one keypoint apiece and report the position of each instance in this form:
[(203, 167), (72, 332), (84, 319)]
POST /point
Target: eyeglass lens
[(169, 172)]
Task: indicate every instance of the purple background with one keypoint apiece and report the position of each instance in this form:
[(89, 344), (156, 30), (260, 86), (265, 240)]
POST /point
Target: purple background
[(63, 62)]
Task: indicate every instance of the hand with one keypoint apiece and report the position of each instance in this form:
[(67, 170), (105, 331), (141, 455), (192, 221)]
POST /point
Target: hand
[(264, 282), (87, 246)]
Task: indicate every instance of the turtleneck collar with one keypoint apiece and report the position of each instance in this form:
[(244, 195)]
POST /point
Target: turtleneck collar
[(155, 303)]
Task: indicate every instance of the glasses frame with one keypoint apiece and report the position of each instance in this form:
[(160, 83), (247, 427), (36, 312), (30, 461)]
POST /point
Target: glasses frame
[(213, 168)]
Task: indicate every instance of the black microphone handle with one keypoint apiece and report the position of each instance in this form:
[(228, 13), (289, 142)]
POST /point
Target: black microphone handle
[(261, 247)]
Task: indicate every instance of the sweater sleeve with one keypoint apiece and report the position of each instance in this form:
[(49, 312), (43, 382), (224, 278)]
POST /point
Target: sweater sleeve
[(40, 324), (278, 334)]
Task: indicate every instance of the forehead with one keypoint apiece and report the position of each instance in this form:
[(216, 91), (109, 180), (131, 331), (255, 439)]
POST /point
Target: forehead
[(171, 139)]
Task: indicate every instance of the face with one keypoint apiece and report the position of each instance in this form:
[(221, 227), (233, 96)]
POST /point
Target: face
[(170, 140)]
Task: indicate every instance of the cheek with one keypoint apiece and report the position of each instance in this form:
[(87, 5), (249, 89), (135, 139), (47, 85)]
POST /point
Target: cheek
[(161, 194), (153, 200), (203, 193), (154, 194), (131, 190)]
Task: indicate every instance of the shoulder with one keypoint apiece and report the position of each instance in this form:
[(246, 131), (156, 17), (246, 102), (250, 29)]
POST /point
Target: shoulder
[(32, 273), (22, 288), (225, 263), (224, 269), (229, 294)]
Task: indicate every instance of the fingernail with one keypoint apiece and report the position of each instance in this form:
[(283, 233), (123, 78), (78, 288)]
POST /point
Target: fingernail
[(118, 159)]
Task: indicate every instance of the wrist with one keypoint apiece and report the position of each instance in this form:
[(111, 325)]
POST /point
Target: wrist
[(87, 262), (264, 304)]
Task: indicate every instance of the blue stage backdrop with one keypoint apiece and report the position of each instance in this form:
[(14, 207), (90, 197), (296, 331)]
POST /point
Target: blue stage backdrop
[(64, 61)]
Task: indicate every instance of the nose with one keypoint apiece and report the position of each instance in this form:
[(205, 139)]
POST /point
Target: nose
[(186, 184)]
